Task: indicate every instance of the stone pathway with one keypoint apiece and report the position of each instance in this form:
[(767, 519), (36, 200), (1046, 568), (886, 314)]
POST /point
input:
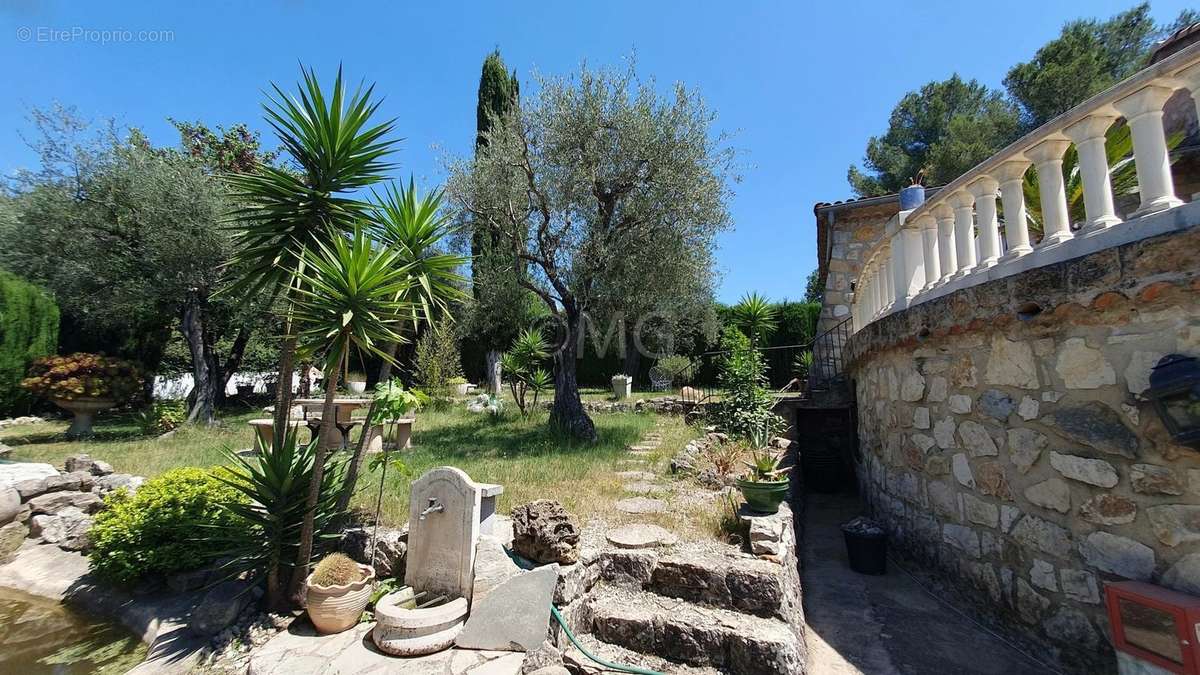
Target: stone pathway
[(643, 484), (884, 625)]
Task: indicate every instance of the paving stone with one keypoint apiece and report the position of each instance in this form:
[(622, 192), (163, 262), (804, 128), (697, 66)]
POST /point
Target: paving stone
[(976, 440), (629, 569), (637, 475), (1107, 509), (515, 616), (991, 480), (640, 536), (1091, 471), (1118, 555), (643, 488), (1082, 367), (1154, 480), (1050, 494), (639, 505), (1096, 425)]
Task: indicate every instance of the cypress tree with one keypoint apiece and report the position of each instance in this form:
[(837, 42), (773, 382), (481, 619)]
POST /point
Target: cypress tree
[(28, 330)]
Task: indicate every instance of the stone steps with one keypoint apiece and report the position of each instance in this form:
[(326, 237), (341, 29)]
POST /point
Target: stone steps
[(687, 633), (578, 663)]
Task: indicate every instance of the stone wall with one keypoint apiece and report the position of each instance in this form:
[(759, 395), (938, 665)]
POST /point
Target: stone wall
[(853, 231), (1002, 439)]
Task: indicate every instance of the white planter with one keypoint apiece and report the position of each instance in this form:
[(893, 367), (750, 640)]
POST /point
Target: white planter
[(622, 387), (357, 387), (462, 389)]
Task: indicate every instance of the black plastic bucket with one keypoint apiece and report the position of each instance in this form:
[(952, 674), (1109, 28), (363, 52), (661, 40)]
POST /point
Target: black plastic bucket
[(867, 552)]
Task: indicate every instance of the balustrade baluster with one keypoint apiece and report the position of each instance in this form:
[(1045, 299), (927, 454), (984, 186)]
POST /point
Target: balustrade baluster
[(1088, 135), (1011, 176), (1047, 156), (1144, 112), (984, 190), (964, 231), (947, 256)]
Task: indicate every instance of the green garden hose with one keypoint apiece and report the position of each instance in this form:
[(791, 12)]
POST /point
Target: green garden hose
[(606, 664)]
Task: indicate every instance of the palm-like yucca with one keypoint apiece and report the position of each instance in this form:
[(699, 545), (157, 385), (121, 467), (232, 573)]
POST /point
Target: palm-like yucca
[(350, 298), (755, 316), (416, 226)]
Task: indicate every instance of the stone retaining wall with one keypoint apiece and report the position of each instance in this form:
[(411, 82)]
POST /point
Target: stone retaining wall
[(1003, 441)]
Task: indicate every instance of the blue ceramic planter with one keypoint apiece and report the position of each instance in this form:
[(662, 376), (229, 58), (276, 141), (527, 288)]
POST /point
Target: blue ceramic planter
[(911, 197)]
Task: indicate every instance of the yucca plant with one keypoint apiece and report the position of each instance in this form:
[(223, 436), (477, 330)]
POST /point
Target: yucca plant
[(284, 212), (520, 364), (755, 316), (350, 298), (265, 537)]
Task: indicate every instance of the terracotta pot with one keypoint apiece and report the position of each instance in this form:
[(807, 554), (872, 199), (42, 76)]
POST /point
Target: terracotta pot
[(333, 609), (85, 410)]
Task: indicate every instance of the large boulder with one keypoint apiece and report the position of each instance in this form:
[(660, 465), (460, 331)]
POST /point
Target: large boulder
[(16, 472), (219, 608), (12, 536), (10, 505), (390, 550), (54, 502), (543, 532)]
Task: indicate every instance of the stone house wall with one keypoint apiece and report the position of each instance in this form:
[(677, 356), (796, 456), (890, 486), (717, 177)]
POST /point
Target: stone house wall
[(1002, 440), (848, 232)]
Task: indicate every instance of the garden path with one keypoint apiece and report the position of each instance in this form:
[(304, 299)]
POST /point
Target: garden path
[(885, 625)]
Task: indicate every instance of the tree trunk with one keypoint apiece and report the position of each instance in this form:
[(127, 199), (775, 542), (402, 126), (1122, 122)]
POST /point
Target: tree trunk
[(568, 413), (632, 356), (325, 440), (283, 387), (354, 469), (236, 353), (494, 376), (385, 369), (191, 325)]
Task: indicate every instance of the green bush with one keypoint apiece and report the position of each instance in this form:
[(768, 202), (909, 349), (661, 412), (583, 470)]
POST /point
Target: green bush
[(162, 417), (745, 408), (160, 528), (28, 331)]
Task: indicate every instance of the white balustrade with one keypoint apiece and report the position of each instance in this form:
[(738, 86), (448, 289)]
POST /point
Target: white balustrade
[(933, 250)]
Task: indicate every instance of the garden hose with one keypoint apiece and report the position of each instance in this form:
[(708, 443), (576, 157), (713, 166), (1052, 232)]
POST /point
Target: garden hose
[(606, 664)]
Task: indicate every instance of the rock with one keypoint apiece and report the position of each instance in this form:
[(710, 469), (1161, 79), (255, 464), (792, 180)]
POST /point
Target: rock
[(12, 536), (1043, 535), (575, 580), (1024, 448), (997, 404), (84, 480), (28, 489), (990, 478), (1098, 426), (976, 440), (66, 482), (1050, 494), (960, 403), (1118, 555), (390, 549), (641, 505), (1108, 509), (628, 568), (1030, 604), (53, 502), (912, 387), (10, 504), (961, 469), (219, 608), (47, 528), (118, 481), (1082, 367), (543, 532), (1011, 364), (944, 500), (4, 451), (492, 568), (1137, 373), (921, 418), (75, 526), (190, 580), (1175, 524), (943, 433), (1184, 575), (542, 659), (88, 465), (1081, 586), (640, 535), (923, 442), (980, 512), (1091, 471), (962, 538), (1155, 480), (550, 670), (12, 473), (1028, 410), (936, 391), (1071, 627), (766, 534), (1008, 516), (1042, 575), (515, 616)]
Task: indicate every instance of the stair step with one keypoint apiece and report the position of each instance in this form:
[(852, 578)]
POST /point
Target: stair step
[(742, 584), (578, 663), (690, 634)]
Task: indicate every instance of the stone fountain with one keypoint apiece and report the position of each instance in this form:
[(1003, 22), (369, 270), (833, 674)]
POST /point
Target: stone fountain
[(447, 513)]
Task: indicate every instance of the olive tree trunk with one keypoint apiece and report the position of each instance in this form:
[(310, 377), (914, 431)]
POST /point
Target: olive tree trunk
[(567, 413)]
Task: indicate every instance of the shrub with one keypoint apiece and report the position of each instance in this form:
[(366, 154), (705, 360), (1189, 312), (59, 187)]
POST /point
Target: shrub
[(336, 569), (83, 375), (158, 530), (745, 409), (437, 362), (675, 367), (28, 331), (520, 366), (162, 417)]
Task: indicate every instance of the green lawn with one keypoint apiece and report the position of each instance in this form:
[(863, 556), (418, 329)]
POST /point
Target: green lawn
[(524, 455)]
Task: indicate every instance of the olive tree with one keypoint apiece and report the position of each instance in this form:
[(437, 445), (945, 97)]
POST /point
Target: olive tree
[(595, 176)]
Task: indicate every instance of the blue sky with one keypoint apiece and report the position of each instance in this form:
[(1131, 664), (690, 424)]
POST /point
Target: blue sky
[(803, 85)]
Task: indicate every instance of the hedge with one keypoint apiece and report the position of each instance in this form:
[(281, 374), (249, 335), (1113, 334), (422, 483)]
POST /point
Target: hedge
[(28, 330)]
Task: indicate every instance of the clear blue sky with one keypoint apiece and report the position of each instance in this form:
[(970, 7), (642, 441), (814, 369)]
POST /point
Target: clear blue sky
[(803, 84)]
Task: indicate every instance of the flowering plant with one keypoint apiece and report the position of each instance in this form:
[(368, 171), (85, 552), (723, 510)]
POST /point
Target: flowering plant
[(83, 375)]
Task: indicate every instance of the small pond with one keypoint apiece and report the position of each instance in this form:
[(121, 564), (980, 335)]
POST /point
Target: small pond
[(41, 636)]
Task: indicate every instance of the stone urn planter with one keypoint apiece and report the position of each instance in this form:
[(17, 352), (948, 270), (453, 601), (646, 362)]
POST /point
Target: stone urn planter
[(622, 386), (462, 388), (84, 409), (357, 387), (333, 609), (763, 496)]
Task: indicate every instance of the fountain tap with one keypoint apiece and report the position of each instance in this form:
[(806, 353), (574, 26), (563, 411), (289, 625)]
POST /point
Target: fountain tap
[(434, 507)]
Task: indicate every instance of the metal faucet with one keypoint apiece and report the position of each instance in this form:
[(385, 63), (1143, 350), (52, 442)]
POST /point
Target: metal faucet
[(434, 506)]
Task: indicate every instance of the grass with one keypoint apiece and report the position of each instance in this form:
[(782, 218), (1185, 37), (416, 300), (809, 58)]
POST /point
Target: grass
[(524, 455)]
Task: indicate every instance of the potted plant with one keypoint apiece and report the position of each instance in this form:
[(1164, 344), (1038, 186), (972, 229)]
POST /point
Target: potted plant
[(765, 486), (83, 384), (393, 407), (338, 591), (356, 382), (622, 386), (914, 195), (459, 385)]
